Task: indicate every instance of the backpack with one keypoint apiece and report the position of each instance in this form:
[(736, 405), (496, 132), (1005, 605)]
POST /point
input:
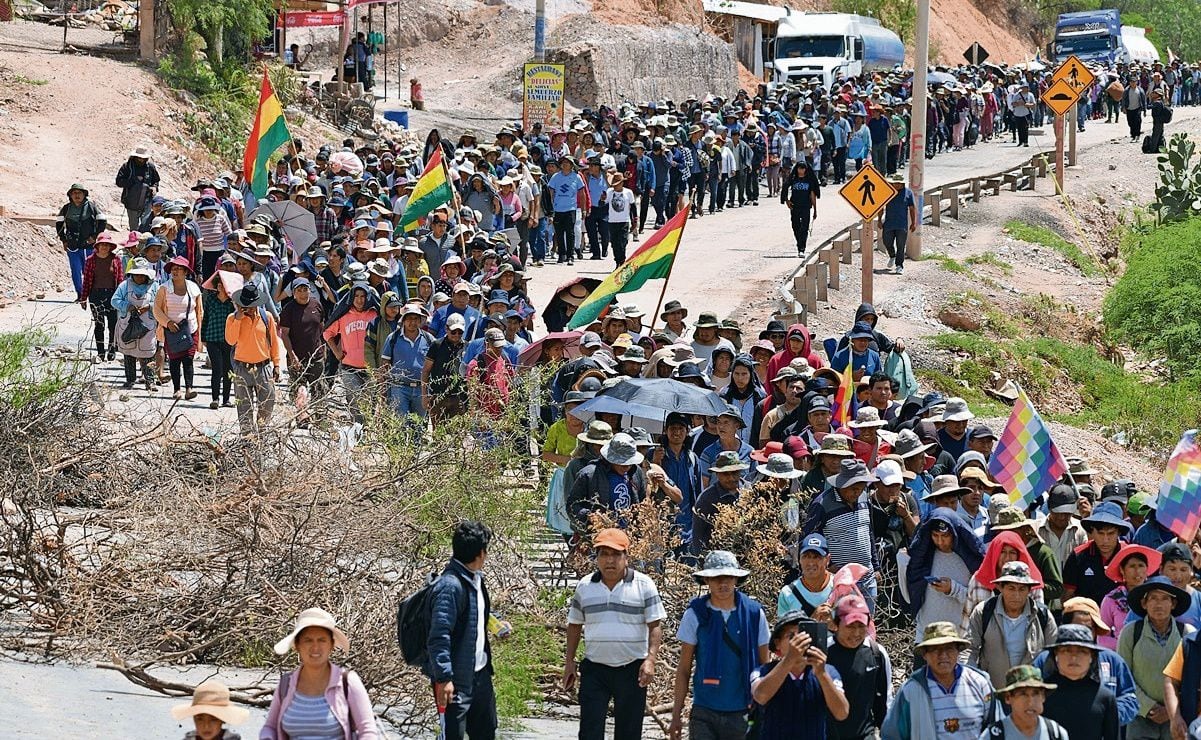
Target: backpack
[(413, 623), (996, 728), (1138, 631), (1149, 145)]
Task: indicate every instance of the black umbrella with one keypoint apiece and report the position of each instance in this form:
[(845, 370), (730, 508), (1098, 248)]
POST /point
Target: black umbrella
[(669, 396)]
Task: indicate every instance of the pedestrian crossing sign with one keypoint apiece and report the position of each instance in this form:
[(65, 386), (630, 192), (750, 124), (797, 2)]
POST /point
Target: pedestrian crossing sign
[(867, 191), (1075, 73)]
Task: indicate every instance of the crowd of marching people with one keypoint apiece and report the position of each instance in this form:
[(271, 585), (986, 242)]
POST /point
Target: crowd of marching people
[(1073, 615)]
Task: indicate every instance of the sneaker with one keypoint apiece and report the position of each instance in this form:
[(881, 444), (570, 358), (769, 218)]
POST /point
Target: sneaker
[(891, 263), (213, 405), (227, 404), (900, 271), (637, 237), (570, 263)]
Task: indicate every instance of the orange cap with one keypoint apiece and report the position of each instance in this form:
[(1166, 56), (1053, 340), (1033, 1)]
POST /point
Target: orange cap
[(612, 538)]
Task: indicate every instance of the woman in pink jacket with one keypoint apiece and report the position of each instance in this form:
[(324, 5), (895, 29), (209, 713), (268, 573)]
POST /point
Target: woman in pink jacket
[(320, 699)]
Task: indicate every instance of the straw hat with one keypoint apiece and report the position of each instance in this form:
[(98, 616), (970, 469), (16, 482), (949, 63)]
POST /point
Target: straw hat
[(212, 698), (313, 618)]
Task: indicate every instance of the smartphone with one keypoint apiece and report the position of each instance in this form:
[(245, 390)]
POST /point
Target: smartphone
[(933, 579), (818, 632)]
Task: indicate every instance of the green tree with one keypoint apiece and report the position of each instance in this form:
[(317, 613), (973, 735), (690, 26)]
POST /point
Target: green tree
[(215, 19), (899, 16)]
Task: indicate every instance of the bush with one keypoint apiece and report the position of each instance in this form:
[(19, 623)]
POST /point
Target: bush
[(1178, 194), (1153, 306)]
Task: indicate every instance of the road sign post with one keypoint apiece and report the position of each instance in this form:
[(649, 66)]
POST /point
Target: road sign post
[(868, 192), (1060, 97), (867, 247), (917, 124), (1059, 152), (1073, 125)]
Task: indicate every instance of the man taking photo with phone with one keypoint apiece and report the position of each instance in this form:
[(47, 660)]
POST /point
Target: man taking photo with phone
[(799, 692)]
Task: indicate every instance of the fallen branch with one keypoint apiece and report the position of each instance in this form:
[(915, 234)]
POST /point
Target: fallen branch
[(138, 675)]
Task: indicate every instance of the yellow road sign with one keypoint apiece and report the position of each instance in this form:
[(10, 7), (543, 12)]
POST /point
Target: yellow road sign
[(1075, 73), (867, 191), (1060, 97)]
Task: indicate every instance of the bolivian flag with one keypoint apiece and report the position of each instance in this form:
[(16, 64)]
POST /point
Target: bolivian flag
[(431, 190), (652, 261), (268, 133)]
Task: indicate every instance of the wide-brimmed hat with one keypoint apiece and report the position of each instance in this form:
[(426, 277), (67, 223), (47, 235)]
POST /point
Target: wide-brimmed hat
[(867, 417), (1113, 569), (779, 465), (941, 633), (727, 461), (908, 444), (597, 432), (1017, 572), (729, 412), (720, 563), (1158, 583), (1079, 466), (180, 261), (141, 151), (621, 450), (1024, 677), (212, 698), (634, 353), (1076, 635), (1011, 518), (1107, 514), (672, 307), (707, 321), (838, 445), (957, 410), (850, 471), (944, 485), (312, 618), (141, 267), (978, 474), (1089, 607)]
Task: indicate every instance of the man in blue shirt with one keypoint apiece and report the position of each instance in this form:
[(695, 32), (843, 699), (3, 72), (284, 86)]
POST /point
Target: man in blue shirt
[(458, 305), (404, 354), (725, 632), (842, 135), (897, 220), (597, 221), (564, 185)]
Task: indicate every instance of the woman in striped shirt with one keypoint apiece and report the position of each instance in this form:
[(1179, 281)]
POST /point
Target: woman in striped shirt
[(320, 700)]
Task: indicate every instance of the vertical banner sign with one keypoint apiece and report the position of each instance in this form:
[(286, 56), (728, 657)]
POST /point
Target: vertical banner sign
[(542, 94)]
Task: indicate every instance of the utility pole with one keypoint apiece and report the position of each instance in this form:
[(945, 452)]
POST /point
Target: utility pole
[(540, 31), (917, 122)]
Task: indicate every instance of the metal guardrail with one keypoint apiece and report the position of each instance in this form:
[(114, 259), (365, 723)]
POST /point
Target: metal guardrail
[(820, 266)]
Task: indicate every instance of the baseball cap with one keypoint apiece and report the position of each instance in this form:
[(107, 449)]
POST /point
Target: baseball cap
[(815, 543), (612, 538), (462, 287), (494, 337), (456, 321), (889, 473), (590, 339), (851, 609), (1062, 499), (300, 283)]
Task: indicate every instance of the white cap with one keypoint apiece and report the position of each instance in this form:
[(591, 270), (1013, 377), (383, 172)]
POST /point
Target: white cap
[(889, 473)]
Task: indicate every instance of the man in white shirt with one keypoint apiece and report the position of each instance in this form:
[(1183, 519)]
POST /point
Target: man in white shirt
[(621, 613), (620, 201)]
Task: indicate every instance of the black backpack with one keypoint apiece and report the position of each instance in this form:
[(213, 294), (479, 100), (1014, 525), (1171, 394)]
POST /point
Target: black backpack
[(413, 623)]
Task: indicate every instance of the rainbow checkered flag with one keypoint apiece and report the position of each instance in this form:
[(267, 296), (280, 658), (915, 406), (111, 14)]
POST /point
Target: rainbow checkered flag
[(1026, 461), (1179, 505)]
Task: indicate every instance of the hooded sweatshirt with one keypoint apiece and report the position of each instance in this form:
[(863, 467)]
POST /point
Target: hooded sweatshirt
[(923, 555), (981, 586), (748, 401), (786, 355), (882, 344)]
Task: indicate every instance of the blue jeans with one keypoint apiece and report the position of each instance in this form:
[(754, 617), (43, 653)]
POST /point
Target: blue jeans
[(406, 400), (75, 258), (538, 240)]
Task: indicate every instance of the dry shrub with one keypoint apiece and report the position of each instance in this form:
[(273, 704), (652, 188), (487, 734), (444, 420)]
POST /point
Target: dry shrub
[(185, 547)]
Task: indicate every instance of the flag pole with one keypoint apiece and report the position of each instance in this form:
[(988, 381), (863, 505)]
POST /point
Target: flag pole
[(667, 279), (457, 204)]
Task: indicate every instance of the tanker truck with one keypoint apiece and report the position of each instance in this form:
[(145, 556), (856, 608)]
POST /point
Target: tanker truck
[(826, 47)]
